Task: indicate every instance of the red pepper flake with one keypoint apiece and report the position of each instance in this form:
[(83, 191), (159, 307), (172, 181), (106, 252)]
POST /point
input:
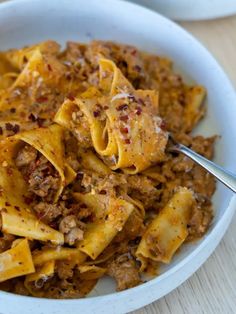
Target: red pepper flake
[(124, 130), (37, 163), (133, 52), (1, 131), (96, 113), (17, 208), (103, 192), (138, 111), (68, 76), (71, 97), (13, 110), (122, 107), (99, 106), (8, 126), (127, 141), (41, 99), (163, 125), (105, 107), (53, 224), (141, 102), (73, 212), (132, 98), (16, 128), (28, 200), (49, 67), (137, 68), (25, 59), (12, 127), (7, 204), (83, 205), (124, 118), (32, 117), (40, 215)]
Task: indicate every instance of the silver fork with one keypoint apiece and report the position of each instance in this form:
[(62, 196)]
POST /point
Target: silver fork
[(224, 176)]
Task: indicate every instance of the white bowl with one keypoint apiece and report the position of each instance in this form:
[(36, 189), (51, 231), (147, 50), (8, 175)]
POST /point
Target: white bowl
[(191, 10), (25, 22)]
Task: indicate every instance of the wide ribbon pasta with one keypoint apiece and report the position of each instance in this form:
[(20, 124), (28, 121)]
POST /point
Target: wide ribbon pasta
[(194, 109), (120, 122), (18, 58), (84, 170), (32, 84), (16, 261), (49, 142), (59, 253), (110, 216), (16, 214), (168, 230)]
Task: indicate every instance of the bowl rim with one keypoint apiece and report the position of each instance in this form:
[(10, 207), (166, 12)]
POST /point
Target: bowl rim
[(229, 210), (211, 13)]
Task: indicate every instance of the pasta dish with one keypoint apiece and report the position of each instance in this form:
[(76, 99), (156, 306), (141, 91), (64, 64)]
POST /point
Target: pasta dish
[(88, 187)]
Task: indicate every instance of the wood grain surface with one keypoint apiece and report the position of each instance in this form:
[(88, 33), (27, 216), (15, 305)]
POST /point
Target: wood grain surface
[(212, 289)]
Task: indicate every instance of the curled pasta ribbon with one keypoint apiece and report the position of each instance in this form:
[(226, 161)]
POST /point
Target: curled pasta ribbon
[(168, 230), (17, 216), (91, 162), (194, 109), (5, 65), (121, 123), (21, 222), (87, 276), (110, 217), (139, 208), (49, 142), (89, 130), (18, 58), (16, 261), (33, 68), (39, 64), (42, 274), (59, 253), (36, 70), (7, 79)]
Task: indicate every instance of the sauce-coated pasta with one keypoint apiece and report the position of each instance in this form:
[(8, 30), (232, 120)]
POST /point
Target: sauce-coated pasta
[(87, 185)]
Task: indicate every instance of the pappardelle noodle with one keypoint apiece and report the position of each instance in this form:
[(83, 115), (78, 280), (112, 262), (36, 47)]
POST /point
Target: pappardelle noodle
[(88, 187)]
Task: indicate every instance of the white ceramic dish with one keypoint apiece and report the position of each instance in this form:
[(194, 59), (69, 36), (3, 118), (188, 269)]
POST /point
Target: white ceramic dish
[(25, 22), (191, 10)]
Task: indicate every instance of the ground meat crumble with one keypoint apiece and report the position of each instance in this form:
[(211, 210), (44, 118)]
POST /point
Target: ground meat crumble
[(124, 270), (42, 178)]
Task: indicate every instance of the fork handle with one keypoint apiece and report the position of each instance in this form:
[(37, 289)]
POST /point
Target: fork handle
[(224, 176)]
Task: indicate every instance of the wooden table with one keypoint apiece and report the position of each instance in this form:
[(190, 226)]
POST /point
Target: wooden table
[(212, 289)]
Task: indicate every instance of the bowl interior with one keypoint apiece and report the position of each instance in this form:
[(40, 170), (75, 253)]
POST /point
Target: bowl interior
[(41, 20)]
